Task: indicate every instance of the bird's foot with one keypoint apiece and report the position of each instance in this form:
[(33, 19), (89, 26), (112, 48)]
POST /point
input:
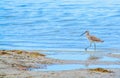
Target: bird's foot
[(85, 49)]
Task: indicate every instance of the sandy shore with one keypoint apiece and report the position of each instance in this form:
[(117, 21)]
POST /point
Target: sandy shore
[(15, 64)]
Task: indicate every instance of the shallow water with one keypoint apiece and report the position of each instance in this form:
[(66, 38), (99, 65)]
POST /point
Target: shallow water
[(58, 67), (83, 56), (78, 55), (105, 58), (101, 56), (46, 24)]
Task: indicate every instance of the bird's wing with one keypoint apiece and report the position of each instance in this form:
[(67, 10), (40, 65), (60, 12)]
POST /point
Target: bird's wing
[(93, 38)]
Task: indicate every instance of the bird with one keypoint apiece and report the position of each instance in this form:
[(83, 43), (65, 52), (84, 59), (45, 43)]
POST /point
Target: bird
[(92, 39)]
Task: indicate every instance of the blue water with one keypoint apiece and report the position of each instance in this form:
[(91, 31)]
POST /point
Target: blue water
[(70, 67), (82, 56), (47, 24)]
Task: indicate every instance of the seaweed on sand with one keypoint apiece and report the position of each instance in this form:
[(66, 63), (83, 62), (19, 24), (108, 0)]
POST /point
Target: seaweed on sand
[(101, 70)]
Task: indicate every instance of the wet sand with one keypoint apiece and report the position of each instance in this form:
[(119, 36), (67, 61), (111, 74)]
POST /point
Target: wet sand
[(15, 64)]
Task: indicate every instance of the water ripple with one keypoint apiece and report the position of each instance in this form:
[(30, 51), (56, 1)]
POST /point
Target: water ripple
[(58, 24)]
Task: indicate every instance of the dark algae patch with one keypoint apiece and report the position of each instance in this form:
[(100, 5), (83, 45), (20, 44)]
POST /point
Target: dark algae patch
[(101, 70)]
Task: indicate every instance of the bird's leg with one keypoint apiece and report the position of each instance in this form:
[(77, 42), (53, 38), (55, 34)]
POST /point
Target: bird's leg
[(88, 46), (94, 46)]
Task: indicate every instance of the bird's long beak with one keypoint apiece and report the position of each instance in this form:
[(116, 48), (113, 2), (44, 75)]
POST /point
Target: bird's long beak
[(82, 33)]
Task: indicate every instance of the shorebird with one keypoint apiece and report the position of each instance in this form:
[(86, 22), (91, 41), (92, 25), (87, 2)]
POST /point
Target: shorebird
[(92, 39)]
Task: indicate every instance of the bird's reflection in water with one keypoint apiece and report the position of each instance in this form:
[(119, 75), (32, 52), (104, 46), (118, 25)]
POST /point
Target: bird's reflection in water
[(93, 56)]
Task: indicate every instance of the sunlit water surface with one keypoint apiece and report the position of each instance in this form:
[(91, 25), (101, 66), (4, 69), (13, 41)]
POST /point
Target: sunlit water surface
[(82, 55), (57, 24), (97, 56)]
